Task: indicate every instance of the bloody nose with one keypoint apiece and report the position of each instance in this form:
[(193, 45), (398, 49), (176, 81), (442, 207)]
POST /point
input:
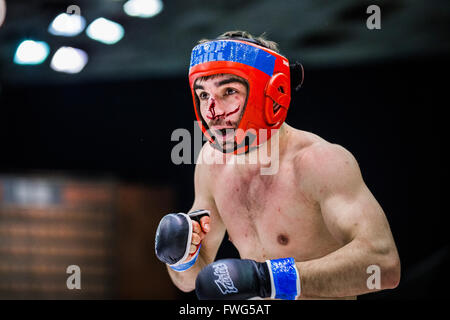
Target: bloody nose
[(212, 105)]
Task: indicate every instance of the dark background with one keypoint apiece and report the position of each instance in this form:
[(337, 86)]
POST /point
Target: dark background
[(386, 106)]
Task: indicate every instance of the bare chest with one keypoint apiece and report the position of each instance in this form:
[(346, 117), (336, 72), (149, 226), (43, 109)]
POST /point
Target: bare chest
[(269, 217)]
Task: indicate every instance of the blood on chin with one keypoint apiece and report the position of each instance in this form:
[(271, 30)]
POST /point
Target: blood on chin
[(226, 142), (224, 135)]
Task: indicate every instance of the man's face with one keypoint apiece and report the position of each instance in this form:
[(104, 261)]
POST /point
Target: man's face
[(222, 101)]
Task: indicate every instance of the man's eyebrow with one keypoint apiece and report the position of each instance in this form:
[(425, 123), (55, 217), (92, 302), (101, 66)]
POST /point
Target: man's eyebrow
[(197, 86), (229, 80)]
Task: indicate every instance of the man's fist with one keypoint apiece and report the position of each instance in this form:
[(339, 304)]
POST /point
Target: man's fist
[(179, 236)]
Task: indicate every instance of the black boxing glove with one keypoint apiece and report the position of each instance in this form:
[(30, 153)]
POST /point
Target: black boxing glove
[(173, 239), (233, 279)]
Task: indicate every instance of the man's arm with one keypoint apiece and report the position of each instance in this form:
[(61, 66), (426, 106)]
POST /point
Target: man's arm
[(185, 280), (333, 179)]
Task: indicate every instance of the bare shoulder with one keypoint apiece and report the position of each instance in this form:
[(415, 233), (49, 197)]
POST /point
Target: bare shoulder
[(202, 167), (202, 183), (206, 167), (322, 166)]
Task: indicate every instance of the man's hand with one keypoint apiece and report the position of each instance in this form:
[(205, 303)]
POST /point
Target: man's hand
[(179, 236), (200, 228)]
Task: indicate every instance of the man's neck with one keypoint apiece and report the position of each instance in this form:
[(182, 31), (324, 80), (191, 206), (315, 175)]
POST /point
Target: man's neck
[(265, 155)]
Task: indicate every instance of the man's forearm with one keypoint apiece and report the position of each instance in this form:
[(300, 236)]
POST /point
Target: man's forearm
[(343, 272), (185, 280)]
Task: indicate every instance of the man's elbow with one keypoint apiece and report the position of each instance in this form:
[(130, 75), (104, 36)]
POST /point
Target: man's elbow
[(185, 288), (391, 271), (185, 284)]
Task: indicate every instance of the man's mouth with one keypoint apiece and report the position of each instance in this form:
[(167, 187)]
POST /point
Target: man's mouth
[(223, 133)]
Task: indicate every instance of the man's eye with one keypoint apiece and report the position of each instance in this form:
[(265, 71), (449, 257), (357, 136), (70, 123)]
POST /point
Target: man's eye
[(203, 96), (230, 91)]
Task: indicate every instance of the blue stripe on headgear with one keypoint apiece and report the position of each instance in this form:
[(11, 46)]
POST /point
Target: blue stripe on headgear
[(233, 51)]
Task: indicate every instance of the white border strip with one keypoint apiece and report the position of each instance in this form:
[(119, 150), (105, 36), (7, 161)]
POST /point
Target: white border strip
[(272, 284), (298, 282)]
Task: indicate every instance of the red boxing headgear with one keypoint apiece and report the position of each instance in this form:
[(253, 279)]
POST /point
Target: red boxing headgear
[(268, 77)]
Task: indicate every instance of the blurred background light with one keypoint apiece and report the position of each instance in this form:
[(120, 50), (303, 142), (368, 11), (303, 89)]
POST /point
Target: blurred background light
[(68, 25), (105, 31), (31, 52), (143, 8), (69, 60)]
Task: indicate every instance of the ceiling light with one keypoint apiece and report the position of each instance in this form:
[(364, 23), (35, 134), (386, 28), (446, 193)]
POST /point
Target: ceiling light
[(68, 25), (69, 60), (143, 8), (105, 31), (31, 52)]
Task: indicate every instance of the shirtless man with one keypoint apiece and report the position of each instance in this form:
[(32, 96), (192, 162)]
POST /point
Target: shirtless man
[(311, 230)]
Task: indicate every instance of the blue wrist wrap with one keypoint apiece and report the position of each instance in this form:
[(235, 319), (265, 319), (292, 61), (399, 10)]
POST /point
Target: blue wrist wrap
[(285, 278), (187, 265)]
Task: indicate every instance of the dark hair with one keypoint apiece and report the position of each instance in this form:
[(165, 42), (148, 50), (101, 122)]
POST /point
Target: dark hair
[(244, 35), (297, 71)]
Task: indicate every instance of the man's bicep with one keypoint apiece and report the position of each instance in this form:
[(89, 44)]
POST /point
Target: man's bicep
[(353, 215), (348, 207)]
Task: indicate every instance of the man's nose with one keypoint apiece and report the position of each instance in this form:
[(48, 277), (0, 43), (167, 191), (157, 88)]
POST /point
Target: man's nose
[(215, 103), (214, 109)]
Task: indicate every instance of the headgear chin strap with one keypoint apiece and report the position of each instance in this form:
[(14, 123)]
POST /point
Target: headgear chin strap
[(268, 77)]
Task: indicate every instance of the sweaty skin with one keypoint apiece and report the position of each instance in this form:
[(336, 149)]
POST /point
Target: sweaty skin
[(316, 209)]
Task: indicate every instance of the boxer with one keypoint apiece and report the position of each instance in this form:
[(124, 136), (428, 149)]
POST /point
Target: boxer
[(311, 230)]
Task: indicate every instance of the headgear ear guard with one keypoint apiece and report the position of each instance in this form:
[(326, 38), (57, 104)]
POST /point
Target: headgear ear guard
[(268, 76)]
